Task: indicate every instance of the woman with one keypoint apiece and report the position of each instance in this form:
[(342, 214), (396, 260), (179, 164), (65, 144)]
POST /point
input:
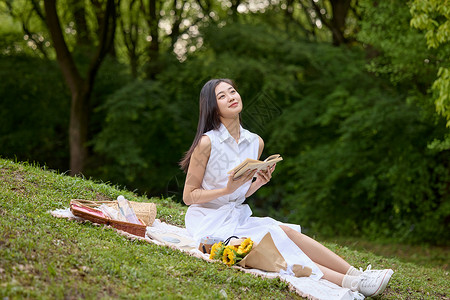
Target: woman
[(216, 200)]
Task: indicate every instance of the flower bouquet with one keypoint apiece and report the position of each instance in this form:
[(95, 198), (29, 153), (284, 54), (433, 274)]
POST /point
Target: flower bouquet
[(233, 253), (263, 256)]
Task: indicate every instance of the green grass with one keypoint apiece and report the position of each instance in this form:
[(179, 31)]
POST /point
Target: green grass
[(423, 255), (46, 258)]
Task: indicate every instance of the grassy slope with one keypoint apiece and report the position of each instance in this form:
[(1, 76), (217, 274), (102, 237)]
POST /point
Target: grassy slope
[(46, 257)]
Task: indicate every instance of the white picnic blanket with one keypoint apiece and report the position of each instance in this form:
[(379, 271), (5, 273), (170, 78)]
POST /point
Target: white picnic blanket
[(177, 237)]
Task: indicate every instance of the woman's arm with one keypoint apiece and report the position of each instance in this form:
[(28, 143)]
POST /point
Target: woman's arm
[(193, 192), (262, 177)]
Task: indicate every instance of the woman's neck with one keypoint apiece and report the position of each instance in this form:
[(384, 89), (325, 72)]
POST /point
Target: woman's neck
[(233, 126)]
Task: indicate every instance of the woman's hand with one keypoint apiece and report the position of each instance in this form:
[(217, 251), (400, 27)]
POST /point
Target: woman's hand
[(234, 184), (264, 176)]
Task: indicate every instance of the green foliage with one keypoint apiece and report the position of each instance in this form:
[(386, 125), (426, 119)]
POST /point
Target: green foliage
[(22, 30), (433, 17), (139, 135), (397, 51), (424, 67), (111, 77), (34, 111)]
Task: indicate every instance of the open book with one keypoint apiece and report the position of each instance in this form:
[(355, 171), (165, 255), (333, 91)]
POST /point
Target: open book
[(251, 164)]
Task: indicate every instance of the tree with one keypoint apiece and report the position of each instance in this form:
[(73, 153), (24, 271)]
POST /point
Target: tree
[(25, 14), (338, 16), (176, 18), (337, 24), (80, 87), (433, 17), (130, 29)]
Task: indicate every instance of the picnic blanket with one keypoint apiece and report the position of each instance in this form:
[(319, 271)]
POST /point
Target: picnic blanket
[(164, 234)]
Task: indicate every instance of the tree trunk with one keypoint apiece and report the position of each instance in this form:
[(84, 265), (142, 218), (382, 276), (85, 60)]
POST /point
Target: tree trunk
[(153, 50), (340, 9), (80, 88), (78, 129), (131, 35), (75, 83), (79, 14)]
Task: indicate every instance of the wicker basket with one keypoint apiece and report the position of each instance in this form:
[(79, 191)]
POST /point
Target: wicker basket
[(86, 209)]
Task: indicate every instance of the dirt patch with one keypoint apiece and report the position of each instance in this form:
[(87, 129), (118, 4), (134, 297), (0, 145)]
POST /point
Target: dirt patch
[(16, 181), (100, 197), (15, 175), (5, 238), (18, 177)]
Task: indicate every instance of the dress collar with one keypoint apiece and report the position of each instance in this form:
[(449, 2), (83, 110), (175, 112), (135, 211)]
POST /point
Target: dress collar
[(225, 135)]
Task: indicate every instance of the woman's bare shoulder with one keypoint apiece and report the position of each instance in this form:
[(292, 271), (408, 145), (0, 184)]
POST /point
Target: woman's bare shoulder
[(205, 142), (261, 141), (203, 147)]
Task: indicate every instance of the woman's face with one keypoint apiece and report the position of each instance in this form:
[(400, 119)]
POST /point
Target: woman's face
[(228, 100)]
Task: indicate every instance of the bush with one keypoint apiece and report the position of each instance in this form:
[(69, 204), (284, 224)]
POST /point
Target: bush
[(139, 137), (34, 111)]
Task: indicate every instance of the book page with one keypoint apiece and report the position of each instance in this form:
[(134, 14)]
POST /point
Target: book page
[(256, 164), (243, 164), (272, 157)]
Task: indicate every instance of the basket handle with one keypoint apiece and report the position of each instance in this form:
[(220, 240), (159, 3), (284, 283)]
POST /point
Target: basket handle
[(89, 203)]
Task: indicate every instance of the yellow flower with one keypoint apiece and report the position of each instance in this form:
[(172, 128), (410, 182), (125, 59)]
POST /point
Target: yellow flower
[(216, 251), (245, 247), (229, 256)]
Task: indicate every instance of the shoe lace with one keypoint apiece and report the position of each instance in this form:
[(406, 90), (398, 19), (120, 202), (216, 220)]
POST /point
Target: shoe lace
[(367, 280), (369, 267), (354, 285)]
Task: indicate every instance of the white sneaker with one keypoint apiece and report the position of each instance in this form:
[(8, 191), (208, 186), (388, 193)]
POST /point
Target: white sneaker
[(372, 282)]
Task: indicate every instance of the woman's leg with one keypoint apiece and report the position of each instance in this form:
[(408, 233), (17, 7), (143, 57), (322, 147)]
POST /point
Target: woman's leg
[(335, 268), (318, 253), (331, 275)]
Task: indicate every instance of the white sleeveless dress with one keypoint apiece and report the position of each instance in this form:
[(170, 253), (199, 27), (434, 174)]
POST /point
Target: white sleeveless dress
[(228, 215)]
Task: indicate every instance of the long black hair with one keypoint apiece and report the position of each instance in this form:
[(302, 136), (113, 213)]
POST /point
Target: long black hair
[(208, 118)]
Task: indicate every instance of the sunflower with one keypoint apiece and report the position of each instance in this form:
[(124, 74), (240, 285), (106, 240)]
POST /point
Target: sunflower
[(217, 251), (229, 256), (245, 247)]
